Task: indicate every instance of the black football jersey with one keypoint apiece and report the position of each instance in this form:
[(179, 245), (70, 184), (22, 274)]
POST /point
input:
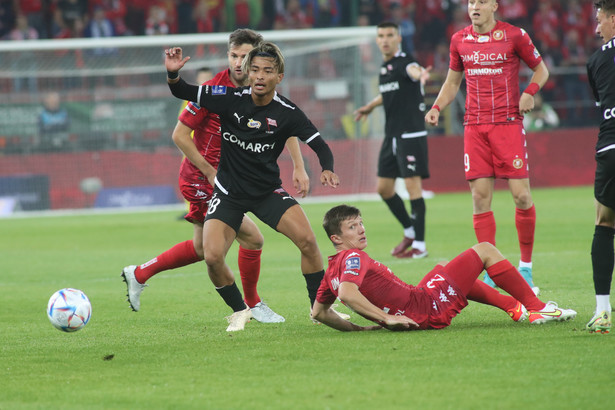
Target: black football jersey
[(601, 74), (402, 97), (252, 138)]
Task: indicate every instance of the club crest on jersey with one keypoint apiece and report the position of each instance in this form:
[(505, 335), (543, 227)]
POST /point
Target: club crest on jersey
[(517, 163), (353, 263), (254, 124), (218, 89), (483, 39), (498, 35)]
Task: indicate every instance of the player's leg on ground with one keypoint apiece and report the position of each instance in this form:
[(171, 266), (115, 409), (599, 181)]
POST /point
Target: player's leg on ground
[(603, 256), (295, 225), (182, 254), (249, 259), (414, 186), (386, 190), (482, 217), (525, 222), (506, 276), (217, 239)]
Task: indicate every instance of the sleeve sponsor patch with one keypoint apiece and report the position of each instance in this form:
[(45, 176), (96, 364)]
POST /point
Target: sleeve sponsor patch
[(353, 263), (218, 89)]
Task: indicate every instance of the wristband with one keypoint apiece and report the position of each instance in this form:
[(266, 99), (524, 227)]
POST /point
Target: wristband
[(532, 89), (435, 107), (172, 75)]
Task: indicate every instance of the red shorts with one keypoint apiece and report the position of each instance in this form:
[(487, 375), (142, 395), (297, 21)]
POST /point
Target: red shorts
[(445, 285), (495, 150), (197, 193)]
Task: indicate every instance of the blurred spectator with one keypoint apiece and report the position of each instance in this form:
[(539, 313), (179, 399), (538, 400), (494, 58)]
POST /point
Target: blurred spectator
[(292, 17), (270, 10), (115, 11), (325, 13), (186, 16), (68, 11), (542, 117), (459, 22), (513, 12), (24, 61), (156, 23), (208, 15), (407, 29), (7, 17), (372, 9), (34, 12), (54, 123), (242, 14), (100, 27), (434, 20), (22, 30), (136, 12), (546, 26), (170, 13), (574, 55)]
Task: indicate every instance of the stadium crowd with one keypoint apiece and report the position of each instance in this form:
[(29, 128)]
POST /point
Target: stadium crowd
[(558, 28)]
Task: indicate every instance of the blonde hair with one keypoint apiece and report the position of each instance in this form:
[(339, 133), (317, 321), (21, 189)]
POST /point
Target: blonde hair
[(265, 49)]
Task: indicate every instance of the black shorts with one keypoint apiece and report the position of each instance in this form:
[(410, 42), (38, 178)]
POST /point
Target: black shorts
[(268, 208), (604, 184), (404, 156)]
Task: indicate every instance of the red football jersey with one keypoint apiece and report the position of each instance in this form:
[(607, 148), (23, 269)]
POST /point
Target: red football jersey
[(206, 126), (377, 283), (491, 65)]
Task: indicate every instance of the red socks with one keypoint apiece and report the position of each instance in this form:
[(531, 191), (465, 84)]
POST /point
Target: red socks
[(484, 227), (483, 293), (249, 262), (509, 279), (180, 255), (525, 221)]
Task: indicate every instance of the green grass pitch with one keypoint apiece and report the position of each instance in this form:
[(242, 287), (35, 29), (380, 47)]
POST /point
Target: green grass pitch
[(176, 354)]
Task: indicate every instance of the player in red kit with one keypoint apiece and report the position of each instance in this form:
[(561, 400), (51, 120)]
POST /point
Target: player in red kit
[(196, 179), (373, 291), (489, 52)]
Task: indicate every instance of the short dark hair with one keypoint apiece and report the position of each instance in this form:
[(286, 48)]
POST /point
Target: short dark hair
[(243, 36), (265, 49), (334, 217), (608, 6), (388, 24)]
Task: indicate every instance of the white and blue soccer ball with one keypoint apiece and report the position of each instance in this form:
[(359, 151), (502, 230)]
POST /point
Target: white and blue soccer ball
[(69, 309)]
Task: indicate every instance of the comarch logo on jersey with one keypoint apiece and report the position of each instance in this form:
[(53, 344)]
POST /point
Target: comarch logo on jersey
[(384, 88), (248, 146), (609, 113)]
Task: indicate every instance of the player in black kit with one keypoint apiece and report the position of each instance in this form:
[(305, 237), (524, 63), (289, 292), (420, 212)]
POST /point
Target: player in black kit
[(256, 122), (404, 150), (601, 76)]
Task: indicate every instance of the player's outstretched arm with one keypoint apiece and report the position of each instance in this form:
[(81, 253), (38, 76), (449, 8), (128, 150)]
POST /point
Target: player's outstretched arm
[(324, 314), (301, 180), (447, 94), (364, 111), (325, 157), (352, 297)]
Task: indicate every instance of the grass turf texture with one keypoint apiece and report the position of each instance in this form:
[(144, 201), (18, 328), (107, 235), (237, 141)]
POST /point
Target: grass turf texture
[(175, 352)]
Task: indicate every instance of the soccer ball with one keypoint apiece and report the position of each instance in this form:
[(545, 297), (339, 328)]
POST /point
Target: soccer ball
[(69, 309)]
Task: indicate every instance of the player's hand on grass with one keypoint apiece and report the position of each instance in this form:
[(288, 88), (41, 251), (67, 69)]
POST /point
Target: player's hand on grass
[(329, 178), (173, 60), (399, 322)]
